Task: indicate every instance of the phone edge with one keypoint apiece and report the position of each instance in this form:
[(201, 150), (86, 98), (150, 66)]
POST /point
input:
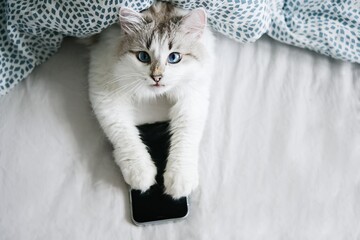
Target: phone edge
[(157, 221)]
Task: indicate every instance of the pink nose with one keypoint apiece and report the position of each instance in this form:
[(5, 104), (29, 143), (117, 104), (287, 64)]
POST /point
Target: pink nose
[(156, 78)]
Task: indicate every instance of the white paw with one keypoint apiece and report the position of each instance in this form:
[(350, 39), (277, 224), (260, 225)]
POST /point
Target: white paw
[(180, 182), (138, 170)]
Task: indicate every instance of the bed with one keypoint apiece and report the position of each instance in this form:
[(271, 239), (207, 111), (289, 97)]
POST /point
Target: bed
[(280, 156)]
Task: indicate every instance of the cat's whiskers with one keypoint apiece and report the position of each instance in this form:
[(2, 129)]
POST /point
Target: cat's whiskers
[(128, 87), (122, 89), (122, 78), (187, 82), (118, 80), (137, 87), (117, 75), (116, 91), (119, 91)]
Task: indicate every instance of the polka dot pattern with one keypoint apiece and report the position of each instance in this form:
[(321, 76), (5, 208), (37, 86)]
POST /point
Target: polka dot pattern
[(242, 20), (327, 27), (31, 31)]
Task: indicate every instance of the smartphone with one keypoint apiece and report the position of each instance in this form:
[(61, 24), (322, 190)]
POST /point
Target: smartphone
[(154, 205)]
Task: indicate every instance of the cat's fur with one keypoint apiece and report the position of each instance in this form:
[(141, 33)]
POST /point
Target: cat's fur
[(118, 82)]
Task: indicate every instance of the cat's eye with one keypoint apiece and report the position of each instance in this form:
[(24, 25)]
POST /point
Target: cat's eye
[(174, 57), (143, 57)]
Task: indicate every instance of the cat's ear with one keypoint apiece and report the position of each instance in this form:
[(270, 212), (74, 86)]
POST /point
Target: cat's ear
[(194, 22), (130, 20)]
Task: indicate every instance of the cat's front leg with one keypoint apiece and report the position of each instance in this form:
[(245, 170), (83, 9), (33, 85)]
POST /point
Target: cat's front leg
[(130, 153), (187, 122), (134, 161)]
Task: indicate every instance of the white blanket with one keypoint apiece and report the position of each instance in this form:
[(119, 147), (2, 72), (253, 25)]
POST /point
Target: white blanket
[(280, 156)]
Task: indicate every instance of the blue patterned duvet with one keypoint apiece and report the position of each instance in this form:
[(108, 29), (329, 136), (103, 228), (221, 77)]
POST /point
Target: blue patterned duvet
[(31, 31)]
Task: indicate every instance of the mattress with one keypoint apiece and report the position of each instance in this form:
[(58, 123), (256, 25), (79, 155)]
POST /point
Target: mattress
[(279, 159)]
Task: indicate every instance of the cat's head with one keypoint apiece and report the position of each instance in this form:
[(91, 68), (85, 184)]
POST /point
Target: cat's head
[(162, 47)]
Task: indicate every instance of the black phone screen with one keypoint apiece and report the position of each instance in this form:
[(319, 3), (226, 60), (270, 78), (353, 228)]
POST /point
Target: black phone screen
[(154, 205)]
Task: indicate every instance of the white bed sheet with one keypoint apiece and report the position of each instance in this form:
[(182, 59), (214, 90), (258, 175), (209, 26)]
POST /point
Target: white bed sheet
[(280, 157)]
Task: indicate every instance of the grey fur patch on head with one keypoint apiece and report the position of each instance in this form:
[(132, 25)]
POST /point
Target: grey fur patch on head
[(160, 20)]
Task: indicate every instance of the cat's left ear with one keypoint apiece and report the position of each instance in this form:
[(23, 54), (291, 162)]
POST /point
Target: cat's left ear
[(130, 20), (194, 22)]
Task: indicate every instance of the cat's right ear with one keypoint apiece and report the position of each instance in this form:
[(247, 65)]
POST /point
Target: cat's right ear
[(130, 20)]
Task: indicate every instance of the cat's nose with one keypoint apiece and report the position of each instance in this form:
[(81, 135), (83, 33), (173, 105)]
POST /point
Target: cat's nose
[(156, 78)]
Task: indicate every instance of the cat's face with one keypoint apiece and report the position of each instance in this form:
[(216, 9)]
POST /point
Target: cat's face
[(160, 49)]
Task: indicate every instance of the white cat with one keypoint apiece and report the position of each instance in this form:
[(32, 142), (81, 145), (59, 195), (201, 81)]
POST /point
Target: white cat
[(163, 52)]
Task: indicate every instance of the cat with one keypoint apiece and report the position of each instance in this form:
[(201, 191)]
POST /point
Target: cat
[(162, 52)]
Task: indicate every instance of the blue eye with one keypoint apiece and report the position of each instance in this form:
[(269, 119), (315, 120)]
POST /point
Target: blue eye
[(143, 57), (174, 57)]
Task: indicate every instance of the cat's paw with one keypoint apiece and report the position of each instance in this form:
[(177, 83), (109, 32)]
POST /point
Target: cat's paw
[(138, 171), (180, 181)]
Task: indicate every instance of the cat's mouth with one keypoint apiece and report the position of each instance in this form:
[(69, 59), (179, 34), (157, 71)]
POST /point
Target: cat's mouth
[(157, 85)]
